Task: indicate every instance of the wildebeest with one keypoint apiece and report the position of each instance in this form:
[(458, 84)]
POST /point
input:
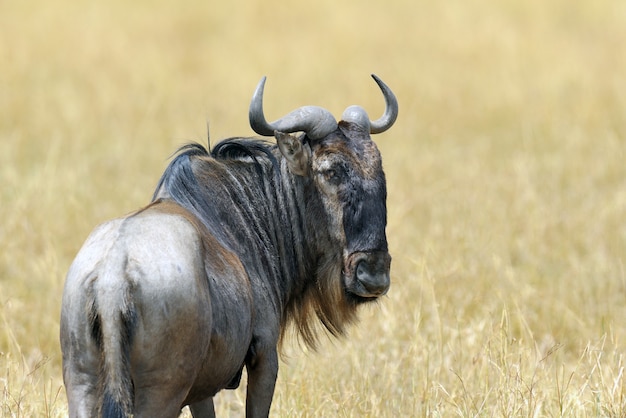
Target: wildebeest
[(164, 308)]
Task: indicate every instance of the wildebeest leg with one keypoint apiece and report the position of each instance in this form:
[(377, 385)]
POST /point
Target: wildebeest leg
[(82, 398), (81, 364), (203, 409), (262, 367)]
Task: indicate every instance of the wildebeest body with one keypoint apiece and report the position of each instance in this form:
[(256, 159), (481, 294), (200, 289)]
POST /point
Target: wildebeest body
[(163, 308)]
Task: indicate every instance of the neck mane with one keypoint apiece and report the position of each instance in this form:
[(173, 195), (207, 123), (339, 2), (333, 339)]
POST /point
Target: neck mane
[(245, 196)]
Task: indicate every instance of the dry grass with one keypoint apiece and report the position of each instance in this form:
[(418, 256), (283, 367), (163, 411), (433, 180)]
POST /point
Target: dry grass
[(506, 171)]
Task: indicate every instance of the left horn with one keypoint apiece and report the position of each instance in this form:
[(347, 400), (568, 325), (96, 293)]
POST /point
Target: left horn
[(315, 121), (358, 115)]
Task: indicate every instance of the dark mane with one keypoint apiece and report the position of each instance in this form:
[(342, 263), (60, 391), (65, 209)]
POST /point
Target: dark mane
[(235, 148), (179, 166), (187, 179), (228, 149), (237, 192)]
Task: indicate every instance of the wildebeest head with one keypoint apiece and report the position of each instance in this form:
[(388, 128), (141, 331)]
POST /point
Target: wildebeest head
[(345, 166)]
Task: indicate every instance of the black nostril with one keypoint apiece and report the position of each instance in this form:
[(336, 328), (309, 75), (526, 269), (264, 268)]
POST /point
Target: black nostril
[(376, 283), (361, 270)]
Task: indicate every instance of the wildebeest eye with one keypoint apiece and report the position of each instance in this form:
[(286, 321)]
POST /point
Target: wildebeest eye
[(333, 175)]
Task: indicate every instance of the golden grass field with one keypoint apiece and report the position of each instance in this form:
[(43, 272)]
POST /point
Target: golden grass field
[(506, 174)]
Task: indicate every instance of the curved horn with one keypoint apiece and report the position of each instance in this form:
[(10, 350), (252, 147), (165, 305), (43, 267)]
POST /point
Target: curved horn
[(315, 121), (358, 115)]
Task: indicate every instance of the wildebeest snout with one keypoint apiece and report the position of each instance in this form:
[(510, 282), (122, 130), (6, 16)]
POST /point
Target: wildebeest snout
[(368, 275)]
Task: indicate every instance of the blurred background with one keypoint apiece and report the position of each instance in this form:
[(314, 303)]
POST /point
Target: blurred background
[(505, 169)]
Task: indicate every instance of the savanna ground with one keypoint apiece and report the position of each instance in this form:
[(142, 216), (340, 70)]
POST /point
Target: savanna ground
[(506, 174)]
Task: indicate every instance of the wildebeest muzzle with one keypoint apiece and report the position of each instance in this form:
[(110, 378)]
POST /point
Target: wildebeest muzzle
[(367, 273)]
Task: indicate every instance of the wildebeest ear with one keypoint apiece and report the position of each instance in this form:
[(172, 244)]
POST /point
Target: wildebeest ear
[(295, 152)]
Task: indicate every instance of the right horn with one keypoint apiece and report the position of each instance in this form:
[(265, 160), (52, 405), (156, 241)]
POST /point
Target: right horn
[(358, 115), (315, 121)]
